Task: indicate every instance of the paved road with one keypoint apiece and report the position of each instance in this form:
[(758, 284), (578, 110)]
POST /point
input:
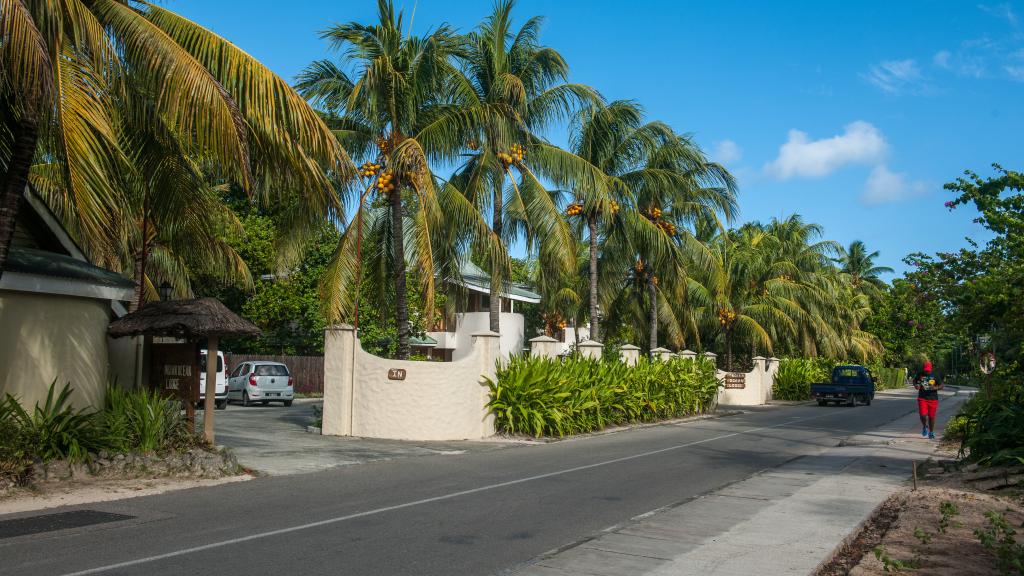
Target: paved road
[(483, 512)]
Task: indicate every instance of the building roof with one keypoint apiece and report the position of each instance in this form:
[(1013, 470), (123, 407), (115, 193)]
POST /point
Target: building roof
[(475, 279), (196, 318), (41, 262)]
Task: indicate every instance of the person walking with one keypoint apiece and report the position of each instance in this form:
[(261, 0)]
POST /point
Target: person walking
[(928, 387)]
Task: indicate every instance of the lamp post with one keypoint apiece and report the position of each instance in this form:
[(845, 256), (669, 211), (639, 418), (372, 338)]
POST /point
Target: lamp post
[(165, 291)]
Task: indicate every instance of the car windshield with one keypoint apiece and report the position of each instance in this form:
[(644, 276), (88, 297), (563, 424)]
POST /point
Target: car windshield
[(271, 370), (202, 363)]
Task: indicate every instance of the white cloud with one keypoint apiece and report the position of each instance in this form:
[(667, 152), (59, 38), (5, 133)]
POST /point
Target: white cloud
[(1002, 11), (727, 152), (941, 58), (884, 186), (896, 76), (860, 143)]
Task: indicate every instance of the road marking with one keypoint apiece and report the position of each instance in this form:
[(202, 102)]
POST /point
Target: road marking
[(251, 537)]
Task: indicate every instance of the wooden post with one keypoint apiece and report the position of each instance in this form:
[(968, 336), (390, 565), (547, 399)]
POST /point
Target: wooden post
[(211, 388), (914, 464)]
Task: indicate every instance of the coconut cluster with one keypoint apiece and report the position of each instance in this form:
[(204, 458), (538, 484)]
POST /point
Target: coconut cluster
[(369, 170), (726, 317), (384, 145), (574, 209), (515, 154), (384, 183)]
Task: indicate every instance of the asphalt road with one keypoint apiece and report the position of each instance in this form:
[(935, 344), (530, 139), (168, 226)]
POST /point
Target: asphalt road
[(474, 513)]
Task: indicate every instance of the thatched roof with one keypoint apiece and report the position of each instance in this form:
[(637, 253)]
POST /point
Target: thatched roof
[(197, 318)]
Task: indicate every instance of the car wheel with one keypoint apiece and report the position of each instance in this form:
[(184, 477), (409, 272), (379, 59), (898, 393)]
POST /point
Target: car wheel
[(245, 400), (222, 404), (852, 402), (822, 402), (867, 400), (287, 403)]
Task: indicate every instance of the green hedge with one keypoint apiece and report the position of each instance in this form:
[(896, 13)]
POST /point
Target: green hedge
[(795, 376), (551, 397)]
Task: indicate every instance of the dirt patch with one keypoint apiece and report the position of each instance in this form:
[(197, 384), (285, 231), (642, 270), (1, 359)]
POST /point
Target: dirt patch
[(930, 530), (87, 490)]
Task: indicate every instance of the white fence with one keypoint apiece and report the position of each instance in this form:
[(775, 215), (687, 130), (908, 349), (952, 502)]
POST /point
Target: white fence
[(373, 397)]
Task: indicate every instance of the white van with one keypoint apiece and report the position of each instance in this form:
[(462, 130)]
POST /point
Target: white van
[(221, 396)]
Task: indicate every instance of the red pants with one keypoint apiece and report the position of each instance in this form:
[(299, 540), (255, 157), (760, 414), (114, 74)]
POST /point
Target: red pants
[(927, 408)]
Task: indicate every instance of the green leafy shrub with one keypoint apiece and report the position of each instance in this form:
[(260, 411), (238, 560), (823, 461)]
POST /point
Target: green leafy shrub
[(542, 396), (55, 429), (994, 418), (142, 420), (795, 376), (889, 378), (15, 447)]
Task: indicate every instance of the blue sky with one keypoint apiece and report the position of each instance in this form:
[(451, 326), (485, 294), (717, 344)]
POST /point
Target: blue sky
[(851, 114)]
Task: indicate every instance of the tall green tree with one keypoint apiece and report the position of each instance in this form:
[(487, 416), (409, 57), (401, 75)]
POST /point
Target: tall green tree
[(399, 88), (123, 114), (510, 89)]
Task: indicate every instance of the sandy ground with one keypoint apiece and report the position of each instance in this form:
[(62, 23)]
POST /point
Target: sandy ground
[(87, 491), (955, 552)]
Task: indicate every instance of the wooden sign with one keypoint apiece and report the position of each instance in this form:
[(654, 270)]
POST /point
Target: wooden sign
[(174, 370), (396, 374), (736, 380)]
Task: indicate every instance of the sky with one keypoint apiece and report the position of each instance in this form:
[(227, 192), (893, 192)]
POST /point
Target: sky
[(851, 114)]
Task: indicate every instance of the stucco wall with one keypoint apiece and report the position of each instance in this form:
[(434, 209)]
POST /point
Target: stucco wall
[(435, 401), (512, 339), (758, 385), (45, 338)]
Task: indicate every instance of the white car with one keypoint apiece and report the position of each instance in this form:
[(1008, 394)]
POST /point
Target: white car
[(221, 394), (261, 381)]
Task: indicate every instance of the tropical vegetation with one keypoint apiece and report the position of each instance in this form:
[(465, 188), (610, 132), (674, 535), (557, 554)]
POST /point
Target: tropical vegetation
[(548, 397), (139, 420)]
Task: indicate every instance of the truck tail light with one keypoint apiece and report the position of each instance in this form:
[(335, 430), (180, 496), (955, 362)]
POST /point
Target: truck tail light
[(291, 381)]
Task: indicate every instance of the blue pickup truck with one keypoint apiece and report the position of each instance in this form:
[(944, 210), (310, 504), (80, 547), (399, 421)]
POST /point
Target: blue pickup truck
[(850, 385)]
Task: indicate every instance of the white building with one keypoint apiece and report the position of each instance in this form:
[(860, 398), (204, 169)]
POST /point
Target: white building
[(470, 314)]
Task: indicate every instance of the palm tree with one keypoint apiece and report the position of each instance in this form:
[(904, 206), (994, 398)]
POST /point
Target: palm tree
[(399, 89), (511, 88), (681, 188), (860, 265), (616, 142), (121, 111)]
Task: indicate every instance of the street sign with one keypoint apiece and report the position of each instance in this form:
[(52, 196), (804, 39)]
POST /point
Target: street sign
[(396, 374), (987, 363), (984, 341), (735, 380)]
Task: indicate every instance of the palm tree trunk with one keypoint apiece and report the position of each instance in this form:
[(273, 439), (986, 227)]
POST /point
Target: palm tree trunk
[(25, 133), (140, 259), (398, 247), (494, 307), (594, 320), (652, 291)]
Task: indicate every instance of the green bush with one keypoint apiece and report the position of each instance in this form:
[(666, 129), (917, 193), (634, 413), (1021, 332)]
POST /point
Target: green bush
[(55, 429), (135, 420), (141, 420), (15, 447), (994, 419), (541, 396), (795, 376), (889, 378)]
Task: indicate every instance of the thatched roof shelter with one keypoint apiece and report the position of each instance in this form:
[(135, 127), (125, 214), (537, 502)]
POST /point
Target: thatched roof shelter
[(199, 318)]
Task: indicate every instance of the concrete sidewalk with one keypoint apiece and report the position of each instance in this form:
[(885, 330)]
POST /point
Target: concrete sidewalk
[(785, 520)]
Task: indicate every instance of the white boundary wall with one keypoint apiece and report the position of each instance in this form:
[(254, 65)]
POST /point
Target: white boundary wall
[(434, 401), (757, 388)]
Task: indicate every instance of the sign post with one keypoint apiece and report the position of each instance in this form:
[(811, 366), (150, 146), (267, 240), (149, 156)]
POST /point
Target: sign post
[(173, 372)]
